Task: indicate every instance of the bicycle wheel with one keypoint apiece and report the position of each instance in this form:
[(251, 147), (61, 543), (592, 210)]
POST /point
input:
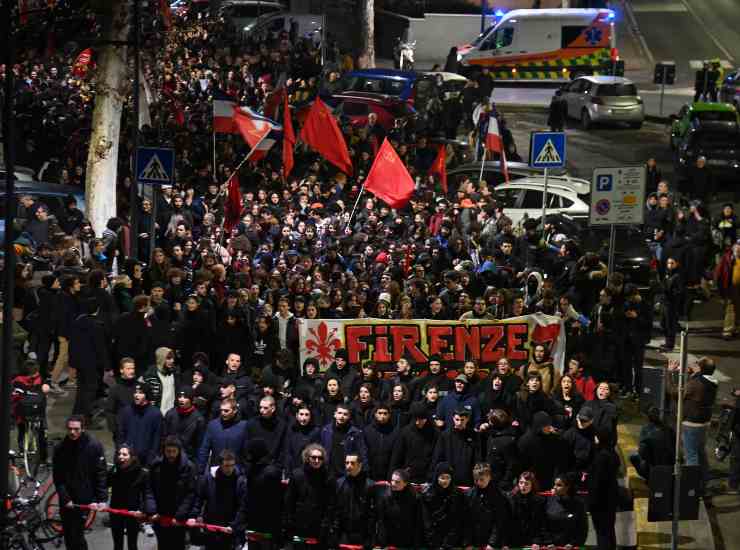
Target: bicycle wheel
[(31, 454)]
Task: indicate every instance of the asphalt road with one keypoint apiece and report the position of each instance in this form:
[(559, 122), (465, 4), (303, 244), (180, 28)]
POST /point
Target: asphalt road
[(682, 30)]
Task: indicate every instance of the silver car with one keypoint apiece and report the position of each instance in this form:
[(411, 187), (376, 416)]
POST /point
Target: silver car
[(595, 99)]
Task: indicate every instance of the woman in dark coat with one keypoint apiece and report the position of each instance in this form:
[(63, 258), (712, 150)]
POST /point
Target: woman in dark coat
[(400, 404), (127, 480), (331, 397), (195, 332), (603, 490), (531, 399), (604, 410), (527, 512), (566, 521), (441, 510), (399, 514), (501, 450), (362, 407), (567, 396)]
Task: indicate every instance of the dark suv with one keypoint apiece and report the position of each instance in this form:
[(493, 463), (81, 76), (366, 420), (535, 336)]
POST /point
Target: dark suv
[(721, 149)]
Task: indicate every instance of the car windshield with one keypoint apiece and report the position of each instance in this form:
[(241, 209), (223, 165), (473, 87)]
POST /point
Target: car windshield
[(482, 35), (715, 116), (616, 90), (385, 86)]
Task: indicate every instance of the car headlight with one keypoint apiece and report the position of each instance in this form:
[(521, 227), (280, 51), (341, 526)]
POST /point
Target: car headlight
[(459, 58)]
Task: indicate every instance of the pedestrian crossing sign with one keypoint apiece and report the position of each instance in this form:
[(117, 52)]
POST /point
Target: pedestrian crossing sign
[(547, 150), (155, 166)]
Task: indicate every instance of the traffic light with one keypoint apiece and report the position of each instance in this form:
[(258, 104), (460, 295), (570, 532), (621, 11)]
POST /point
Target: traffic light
[(665, 73)]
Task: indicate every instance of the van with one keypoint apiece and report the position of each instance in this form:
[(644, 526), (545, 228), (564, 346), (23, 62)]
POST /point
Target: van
[(241, 14), (555, 44), (271, 25)]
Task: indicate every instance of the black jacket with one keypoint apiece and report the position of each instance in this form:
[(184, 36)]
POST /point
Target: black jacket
[(442, 515), (79, 471), (88, 350), (380, 441), (399, 518), (414, 450), (265, 510), (120, 395), (188, 426), (528, 515), (309, 503), (273, 431), (354, 513), (487, 517), (502, 454), (210, 500), (132, 336), (296, 439), (128, 487), (140, 427), (545, 455), (461, 449), (566, 521), (171, 499), (580, 444)]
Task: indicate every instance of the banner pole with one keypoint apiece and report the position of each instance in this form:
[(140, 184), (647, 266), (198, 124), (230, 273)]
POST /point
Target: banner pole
[(352, 215)]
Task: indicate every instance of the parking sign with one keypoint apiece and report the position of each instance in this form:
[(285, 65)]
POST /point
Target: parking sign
[(618, 195)]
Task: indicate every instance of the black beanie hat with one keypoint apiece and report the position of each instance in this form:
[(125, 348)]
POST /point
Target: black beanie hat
[(418, 410)]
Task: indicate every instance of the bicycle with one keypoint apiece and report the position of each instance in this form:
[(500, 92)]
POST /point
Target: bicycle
[(32, 410)]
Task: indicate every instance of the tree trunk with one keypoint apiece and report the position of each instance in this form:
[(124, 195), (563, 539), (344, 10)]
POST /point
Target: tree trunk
[(366, 51), (111, 91)]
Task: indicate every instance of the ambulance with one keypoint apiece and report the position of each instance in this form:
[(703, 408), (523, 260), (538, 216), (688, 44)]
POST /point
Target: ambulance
[(546, 44)]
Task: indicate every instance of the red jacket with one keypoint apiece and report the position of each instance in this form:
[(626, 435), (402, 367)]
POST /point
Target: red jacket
[(586, 386), (723, 273)]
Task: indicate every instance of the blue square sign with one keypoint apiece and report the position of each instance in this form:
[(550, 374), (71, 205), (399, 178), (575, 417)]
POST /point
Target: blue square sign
[(604, 183), (155, 166), (547, 150)]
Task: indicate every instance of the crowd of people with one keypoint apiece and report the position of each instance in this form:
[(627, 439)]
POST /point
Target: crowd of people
[(192, 355)]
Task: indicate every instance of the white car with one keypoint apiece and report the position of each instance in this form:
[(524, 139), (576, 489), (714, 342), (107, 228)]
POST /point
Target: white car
[(522, 199), (494, 175)]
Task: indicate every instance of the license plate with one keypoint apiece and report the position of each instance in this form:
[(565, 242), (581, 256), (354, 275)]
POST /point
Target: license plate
[(716, 162)]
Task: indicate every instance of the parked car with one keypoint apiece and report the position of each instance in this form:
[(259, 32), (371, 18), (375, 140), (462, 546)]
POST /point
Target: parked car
[(719, 147), (597, 99), (272, 24), (52, 195), (493, 174), (354, 108), (706, 116), (522, 199), (241, 14), (729, 92)]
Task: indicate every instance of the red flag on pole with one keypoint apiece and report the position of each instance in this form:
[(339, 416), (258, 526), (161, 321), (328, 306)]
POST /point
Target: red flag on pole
[(439, 166), (233, 205), (495, 143), (288, 138), (82, 62), (259, 133), (322, 133), (388, 178), (164, 10)]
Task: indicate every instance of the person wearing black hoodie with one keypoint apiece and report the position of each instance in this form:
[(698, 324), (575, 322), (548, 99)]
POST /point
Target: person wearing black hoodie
[(170, 493), (542, 450), (301, 432), (363, 406), (264, 479), (399, 521), (566, 521), (527, 512), (500, 449), (441, 510), (380, 438), (309, 498), (343, 372), (487, 515), (531, 399), (494, 397), (459, 445), (403, 376), (436, 375), (415, 445), (580, 441), (270, 428), (127, 481), (310, 381), (603, 489), (185, 422)]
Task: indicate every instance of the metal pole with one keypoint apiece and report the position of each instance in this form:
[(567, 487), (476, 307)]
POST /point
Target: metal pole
[(483, 16), (544, 201), (214, 178), (134, 194), (354, 208), (7, 364), (153, 232), (614, 45), (662, 89), (677, 464), (612, 246)]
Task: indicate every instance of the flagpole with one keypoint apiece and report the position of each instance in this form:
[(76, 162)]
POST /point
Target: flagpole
[(215, 177), (354, 208), (482, 164)]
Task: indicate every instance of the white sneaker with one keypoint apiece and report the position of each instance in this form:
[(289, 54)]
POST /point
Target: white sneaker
[(148, 530)]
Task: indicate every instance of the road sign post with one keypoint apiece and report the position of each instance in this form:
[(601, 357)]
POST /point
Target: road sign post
[(665, 73), (155, 166), (617, 198), (546, 150)]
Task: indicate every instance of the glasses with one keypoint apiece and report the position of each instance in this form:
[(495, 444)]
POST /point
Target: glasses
[(317, 458)]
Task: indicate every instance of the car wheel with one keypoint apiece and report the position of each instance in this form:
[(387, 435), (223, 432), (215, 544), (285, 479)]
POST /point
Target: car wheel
[(586, 120), (636, 125)]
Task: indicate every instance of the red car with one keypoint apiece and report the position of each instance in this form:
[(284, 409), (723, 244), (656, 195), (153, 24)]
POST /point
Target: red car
[(356, 106)]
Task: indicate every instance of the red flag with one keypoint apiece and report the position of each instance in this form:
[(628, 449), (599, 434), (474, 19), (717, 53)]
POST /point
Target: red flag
[(259, 133), (164, 10), (439, 166), (82, 62), (23, 11), (233, 205), (288, 138), (322, 133), (388, 178), (272, 102)]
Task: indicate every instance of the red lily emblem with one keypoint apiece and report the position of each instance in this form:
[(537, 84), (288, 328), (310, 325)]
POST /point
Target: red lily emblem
[(324, 343)]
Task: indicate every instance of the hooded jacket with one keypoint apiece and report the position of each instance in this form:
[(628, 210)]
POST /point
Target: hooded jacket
[(210, 499), (189, 426), (461, 449), (487, 518), (399, 520), (442, 512), (544, 454), (171, 487), (154, 376), (454, 401), (414, 450)]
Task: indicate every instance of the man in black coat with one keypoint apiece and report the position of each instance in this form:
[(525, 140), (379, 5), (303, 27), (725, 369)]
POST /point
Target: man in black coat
[(580, 441), (487, 513), (68, 311), (121, 393), (459, 446), (542, 450), (186, 423), (79, 472), (264, 479), (309, 499), (269, 427), (301, 432), (415, 445), (89, 354), (132, 335), (380, 438), (354, 513)]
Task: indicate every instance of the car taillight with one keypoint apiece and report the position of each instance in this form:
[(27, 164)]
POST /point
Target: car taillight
[(597, 101)]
